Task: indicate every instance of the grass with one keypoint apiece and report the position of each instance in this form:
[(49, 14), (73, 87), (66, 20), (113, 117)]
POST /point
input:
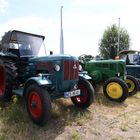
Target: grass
[(124, 128), (13, 112), (66, 110), (118, 138), (75, 136), (95, 131), (15, 123)]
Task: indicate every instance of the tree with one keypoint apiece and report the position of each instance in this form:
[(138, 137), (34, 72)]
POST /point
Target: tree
[(109, 42)]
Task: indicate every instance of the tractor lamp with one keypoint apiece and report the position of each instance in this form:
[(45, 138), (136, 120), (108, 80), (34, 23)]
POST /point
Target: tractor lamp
[(56, 67), (39, 74)]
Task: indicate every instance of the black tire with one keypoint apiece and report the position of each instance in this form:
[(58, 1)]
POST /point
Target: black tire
[(115, 89), (133, 85), (10, 75), (85, 99), (139, 84), (38, 104)]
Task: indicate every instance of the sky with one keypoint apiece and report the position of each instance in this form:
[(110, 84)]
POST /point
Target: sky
[(84, 21)]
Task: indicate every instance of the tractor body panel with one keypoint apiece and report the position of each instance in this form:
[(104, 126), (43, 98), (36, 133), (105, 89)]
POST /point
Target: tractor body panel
[(100, 70), (133, 70)]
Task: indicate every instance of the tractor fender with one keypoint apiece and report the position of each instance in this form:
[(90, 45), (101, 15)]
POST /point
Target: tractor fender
[(84, 75), (36, 80)]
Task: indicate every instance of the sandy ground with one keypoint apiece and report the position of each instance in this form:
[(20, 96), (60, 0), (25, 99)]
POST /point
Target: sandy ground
[(109, 121)]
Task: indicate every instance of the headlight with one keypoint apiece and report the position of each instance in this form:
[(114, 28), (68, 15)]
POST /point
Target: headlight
[(56, 67)]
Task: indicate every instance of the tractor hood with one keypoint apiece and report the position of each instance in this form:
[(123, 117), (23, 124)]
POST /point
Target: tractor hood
[(47, 64), (53, 58)]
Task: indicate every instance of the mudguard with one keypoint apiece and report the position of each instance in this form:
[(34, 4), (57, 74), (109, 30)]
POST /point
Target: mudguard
[(84, 75), (36, 80), (39, 80)]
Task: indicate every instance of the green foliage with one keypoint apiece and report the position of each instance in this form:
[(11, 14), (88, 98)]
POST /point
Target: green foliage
[(109, 42)]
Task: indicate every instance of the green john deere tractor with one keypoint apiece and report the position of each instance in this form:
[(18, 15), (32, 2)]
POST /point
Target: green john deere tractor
[(27, 71), (112, 73)]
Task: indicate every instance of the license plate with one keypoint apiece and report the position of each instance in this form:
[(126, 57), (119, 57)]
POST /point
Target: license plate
[(71, 93)]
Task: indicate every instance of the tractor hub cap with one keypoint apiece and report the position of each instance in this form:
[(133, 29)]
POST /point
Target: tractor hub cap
[(35, 105), (114, 90), (130, 84)]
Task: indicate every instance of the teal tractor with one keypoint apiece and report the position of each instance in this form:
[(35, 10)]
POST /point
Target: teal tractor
[(27, 71), (112, 73), (132, 59)]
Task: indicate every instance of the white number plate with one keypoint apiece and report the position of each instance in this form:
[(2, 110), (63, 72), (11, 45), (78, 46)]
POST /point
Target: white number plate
[(71, 93)]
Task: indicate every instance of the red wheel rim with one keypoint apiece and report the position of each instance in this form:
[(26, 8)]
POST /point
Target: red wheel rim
[(81, 99), (34, 104)]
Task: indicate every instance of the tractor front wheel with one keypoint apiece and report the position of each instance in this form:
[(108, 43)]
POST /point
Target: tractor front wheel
[(85, 99), (133, 85), (38, 104), (115, 89)]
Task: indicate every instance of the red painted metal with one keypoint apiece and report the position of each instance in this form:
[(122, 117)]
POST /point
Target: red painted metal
[(71, 70), (66, 70), (34, 104), (2, 80), (81, 99), (45, 65)]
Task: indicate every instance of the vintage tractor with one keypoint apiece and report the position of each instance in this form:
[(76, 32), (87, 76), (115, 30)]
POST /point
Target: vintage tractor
[(111, 73), (132, 59), (25, 70)]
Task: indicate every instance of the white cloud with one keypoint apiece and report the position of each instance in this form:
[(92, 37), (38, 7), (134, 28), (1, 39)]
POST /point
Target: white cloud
[(47, 27), (103, 2), (3, 5), (30, 23), (84, 23), (87, 25)]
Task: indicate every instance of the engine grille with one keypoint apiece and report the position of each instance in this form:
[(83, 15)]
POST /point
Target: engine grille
[(71, 70)]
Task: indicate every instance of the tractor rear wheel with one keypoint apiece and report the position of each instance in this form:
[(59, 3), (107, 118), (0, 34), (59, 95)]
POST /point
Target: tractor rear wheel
[(38, 104), (115, 89), (8, 75), (133, 85), (85, 99)]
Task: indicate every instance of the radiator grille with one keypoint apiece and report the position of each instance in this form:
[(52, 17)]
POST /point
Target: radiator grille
[(71, 70)]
